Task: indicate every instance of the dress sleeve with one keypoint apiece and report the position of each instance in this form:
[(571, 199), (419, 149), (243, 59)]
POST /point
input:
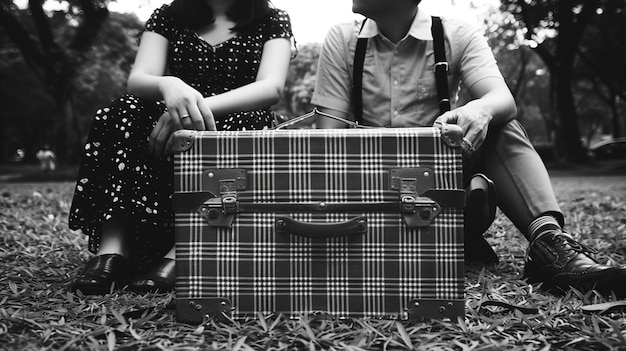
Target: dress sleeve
[(278, 25), (161, 23)]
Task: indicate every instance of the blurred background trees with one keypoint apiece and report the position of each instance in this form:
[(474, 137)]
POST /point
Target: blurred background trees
[(563, 60), (56, 68)]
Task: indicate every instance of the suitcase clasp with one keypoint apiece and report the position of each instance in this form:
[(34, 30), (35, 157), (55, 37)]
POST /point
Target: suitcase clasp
[(411, 183), (214, 211), (418, 211), (220, 211), (223, 183)]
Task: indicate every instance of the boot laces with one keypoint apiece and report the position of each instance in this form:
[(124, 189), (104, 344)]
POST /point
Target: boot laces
[(566, 243)]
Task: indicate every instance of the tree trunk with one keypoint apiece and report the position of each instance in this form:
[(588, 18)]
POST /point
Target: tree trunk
[(569, 128), (571, 29), (617, 128), (57, 66)]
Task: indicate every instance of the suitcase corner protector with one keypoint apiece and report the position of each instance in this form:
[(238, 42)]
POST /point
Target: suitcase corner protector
[(182, 140), (437, 309), (452, 135), (196, 311)]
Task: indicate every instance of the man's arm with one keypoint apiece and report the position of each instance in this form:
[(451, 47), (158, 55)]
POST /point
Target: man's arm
[(333, 84), (493, 96), (492, 103)]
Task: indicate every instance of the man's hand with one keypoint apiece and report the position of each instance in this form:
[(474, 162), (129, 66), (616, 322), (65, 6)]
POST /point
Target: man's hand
[(474, 122)]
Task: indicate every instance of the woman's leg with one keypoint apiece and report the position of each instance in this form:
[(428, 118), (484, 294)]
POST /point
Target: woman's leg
[(171, 254), (122, 194), (113, 239)]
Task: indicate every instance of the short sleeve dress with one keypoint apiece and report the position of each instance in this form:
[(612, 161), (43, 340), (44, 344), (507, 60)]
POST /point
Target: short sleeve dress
[(119, 178)]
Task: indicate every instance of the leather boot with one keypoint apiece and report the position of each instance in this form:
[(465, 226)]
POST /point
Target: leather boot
[(560, 262)]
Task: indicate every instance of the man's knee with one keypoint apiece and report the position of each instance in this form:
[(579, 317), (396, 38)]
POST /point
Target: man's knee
[(510, 134)]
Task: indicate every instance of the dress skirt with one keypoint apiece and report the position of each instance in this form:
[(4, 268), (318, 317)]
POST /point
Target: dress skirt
[(119, 178)]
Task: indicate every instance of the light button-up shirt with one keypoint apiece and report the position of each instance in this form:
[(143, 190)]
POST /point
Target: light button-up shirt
[(399, 87)]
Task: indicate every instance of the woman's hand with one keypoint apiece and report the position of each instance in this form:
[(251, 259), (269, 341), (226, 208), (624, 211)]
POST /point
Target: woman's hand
[(160, 142), (185, 105), (473, 120)]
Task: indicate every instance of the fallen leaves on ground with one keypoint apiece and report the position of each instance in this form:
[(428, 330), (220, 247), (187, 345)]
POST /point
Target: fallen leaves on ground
[(39, 256)]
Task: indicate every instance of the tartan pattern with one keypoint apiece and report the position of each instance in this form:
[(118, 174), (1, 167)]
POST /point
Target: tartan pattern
[(370, 275)]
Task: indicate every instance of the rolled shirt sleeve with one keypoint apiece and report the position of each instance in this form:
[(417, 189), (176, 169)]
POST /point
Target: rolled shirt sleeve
[(471, 52), (333, 86)]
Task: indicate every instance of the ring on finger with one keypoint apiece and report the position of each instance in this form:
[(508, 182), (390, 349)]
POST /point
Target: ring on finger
[(470, 146), (186, 115)]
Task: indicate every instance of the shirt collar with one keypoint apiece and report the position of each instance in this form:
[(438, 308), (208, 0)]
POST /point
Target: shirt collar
[(420, 28)]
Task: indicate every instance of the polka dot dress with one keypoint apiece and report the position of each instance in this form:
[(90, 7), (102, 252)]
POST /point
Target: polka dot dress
[(118, 177)]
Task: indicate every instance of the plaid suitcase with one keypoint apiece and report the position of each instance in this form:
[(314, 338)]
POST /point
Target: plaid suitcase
[(349, 222)]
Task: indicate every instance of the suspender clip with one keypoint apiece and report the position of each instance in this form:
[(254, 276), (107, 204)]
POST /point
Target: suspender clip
[(438, 65), (444, 105)]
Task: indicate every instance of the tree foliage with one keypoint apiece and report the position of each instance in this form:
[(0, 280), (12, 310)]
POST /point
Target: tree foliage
[(563, 60), (558, 32), (300, 82), (601, 69), (61, 62), (53, 47)]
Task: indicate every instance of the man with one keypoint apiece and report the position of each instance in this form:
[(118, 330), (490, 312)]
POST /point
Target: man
[(398, 90)]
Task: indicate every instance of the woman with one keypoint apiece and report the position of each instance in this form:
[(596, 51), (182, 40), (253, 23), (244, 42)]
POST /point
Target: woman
[(201, 64)]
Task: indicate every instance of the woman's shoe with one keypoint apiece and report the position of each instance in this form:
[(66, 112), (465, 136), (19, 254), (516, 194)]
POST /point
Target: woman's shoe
[(101, 275), (159, 279)]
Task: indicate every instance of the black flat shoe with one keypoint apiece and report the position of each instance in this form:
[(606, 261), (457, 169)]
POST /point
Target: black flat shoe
[(101, 275), (159, 279)]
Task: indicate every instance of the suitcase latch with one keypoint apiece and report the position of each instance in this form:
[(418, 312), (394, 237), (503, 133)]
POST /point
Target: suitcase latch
[(228, 193), (220, 211), (417, 211), (214, 213)]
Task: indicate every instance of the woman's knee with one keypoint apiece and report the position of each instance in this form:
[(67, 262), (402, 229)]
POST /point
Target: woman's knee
[(128, 110)]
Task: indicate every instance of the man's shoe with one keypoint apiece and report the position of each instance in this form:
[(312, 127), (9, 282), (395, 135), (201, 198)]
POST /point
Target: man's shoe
[(101, 275), (561, 263), (480, 211), (160, 279)]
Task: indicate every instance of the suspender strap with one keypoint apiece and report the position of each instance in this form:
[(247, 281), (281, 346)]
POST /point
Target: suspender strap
[(441, 70), (357, 77), (441, 66)]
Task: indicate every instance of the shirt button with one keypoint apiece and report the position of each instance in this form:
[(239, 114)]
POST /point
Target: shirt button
[(395, 82), (395, 113)]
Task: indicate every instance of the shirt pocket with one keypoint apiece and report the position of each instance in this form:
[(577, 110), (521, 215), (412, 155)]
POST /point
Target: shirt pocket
[(423, 89), (421, 102)]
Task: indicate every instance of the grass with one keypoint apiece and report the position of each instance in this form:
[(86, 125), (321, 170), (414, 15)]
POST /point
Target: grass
[(39, 256)]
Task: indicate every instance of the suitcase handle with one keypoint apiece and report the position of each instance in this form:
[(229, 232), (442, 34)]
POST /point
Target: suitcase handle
[(316, 112), (451, 134), (287, 225)]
